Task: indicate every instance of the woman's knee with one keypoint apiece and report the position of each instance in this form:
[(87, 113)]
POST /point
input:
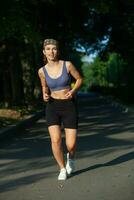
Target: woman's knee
[(55, 135), (56, 142), (71, 146)]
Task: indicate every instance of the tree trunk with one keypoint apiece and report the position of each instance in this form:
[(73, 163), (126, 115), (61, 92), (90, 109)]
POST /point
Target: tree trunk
[(15, 74)]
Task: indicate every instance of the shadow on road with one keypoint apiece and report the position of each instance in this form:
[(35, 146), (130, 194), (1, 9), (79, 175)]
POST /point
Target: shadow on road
[(116, 161), (103, 128)]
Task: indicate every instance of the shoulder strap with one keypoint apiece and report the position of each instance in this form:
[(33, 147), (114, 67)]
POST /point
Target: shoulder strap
[(44, 70), (65, 67)]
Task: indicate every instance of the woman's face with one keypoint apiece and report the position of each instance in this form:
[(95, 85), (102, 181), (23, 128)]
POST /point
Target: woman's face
[(51, 52)]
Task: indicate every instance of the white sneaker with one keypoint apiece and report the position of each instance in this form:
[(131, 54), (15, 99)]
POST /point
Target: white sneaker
[(62, 174), (69, 165)]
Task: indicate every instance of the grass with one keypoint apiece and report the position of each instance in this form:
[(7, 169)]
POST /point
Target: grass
[(9, 116)]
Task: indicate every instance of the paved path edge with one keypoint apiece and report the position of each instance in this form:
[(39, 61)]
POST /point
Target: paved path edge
[(21, 125)]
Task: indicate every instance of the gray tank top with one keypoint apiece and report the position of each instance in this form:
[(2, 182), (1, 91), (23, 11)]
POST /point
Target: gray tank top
[(60, 83)]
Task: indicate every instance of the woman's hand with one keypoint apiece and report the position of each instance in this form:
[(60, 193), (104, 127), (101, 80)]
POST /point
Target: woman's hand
[(46, 97), (69, 94)]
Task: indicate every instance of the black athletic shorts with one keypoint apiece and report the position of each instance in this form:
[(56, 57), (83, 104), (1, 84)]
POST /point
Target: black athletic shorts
[(62, 112)]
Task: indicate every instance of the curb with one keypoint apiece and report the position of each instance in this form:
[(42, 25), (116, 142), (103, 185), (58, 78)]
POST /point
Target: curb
[(23, 124), (115, 102)]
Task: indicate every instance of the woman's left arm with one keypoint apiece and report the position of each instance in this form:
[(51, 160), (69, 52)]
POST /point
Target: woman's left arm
[(76, 75)]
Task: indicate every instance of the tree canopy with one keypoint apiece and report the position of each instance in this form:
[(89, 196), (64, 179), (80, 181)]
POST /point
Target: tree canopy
[(104, 26)]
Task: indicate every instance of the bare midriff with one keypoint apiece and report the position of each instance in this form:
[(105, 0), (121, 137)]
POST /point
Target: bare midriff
[(60, 94)]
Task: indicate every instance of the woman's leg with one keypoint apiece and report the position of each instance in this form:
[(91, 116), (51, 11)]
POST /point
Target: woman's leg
[(56, 142), (71, 147), (71, 141)]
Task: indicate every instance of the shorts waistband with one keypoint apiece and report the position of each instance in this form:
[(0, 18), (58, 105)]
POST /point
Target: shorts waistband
[(60, 100)]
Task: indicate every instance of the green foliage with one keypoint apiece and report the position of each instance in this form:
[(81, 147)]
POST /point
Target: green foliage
[(14, 20), (115, 70), (25, 23), (98, 68), (109, 73), (87, 76), (94, 73)]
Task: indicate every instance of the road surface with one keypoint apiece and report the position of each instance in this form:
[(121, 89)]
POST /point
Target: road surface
[(104, 158)]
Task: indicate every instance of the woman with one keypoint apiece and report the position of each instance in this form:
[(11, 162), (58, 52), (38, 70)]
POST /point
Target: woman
[(60, 107)]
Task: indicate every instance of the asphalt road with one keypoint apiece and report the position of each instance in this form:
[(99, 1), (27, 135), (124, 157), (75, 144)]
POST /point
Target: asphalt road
[(104, 158)]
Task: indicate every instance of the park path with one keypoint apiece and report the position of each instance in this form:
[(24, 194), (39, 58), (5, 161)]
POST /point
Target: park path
[(104, 158)]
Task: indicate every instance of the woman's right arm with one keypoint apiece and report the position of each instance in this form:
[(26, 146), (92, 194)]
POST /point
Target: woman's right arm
[(45, 89)]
